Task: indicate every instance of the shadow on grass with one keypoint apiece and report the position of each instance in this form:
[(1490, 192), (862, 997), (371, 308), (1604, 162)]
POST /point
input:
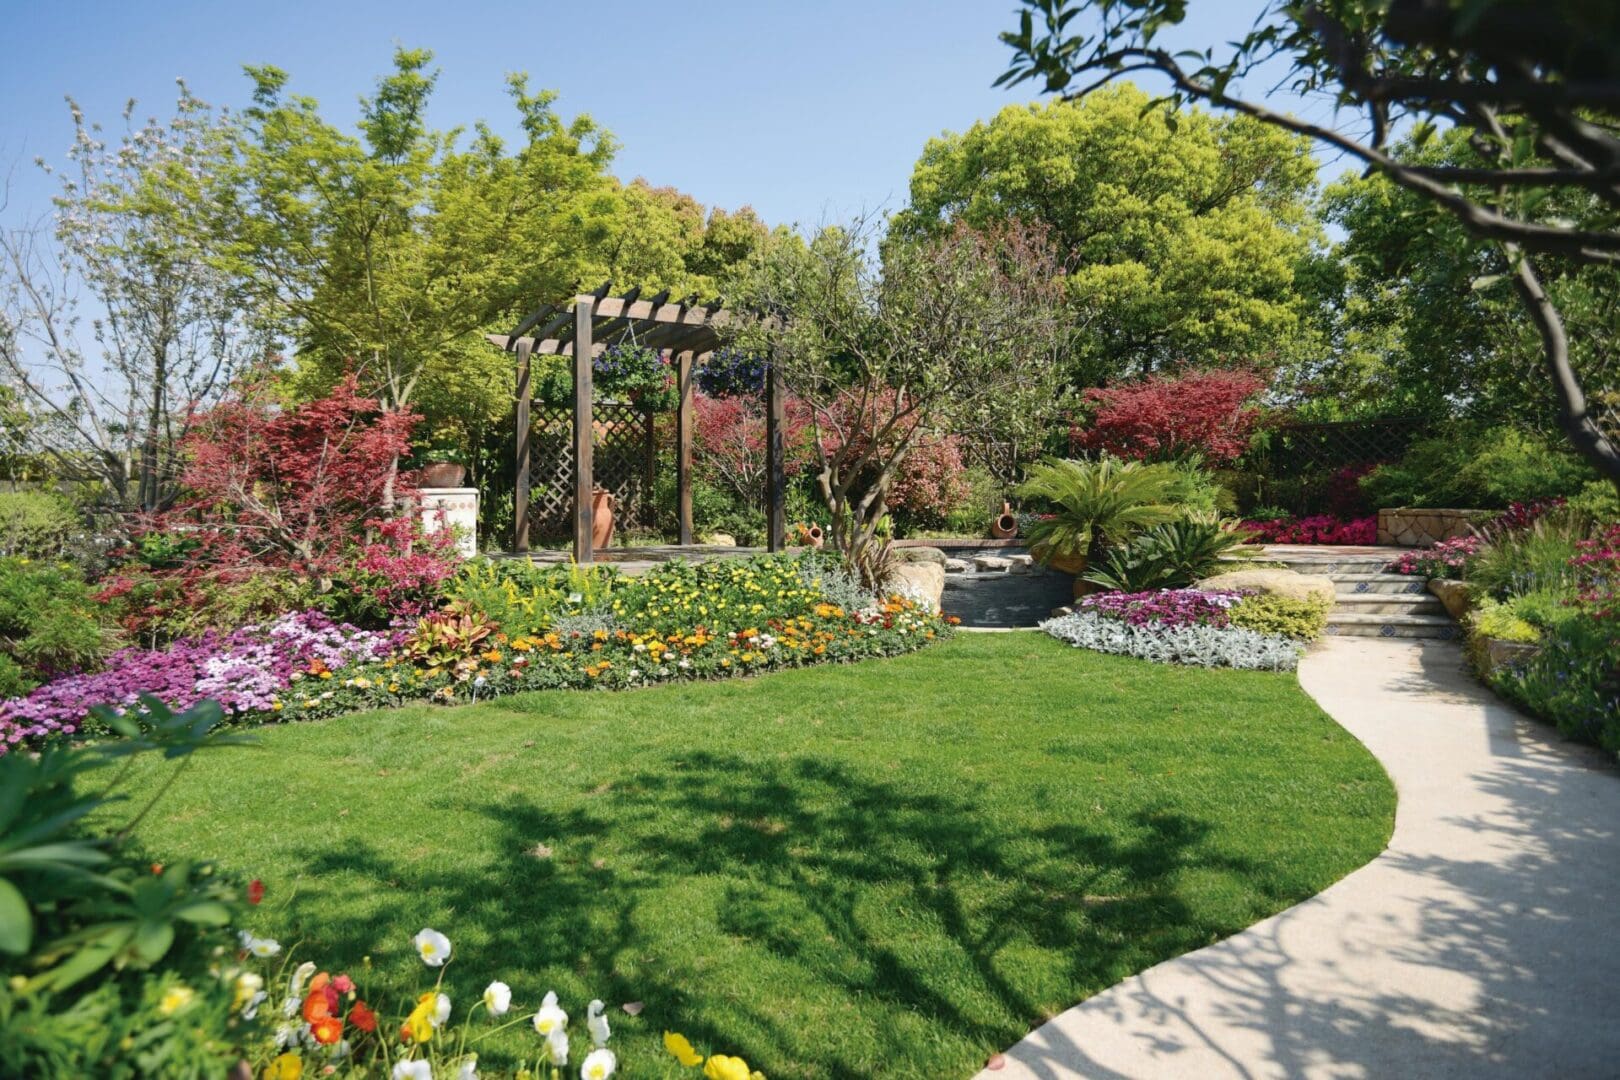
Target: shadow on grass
[(799, 912)]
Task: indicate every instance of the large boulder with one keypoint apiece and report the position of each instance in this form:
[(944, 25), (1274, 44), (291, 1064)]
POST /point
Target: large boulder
[(922, 581), (1287, 583), (1454, 595)]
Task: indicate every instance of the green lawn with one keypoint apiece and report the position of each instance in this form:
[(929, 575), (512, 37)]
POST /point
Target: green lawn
[(894, 868)]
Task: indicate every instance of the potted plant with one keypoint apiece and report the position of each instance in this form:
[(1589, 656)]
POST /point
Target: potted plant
[(1095, 504), (443, 467)]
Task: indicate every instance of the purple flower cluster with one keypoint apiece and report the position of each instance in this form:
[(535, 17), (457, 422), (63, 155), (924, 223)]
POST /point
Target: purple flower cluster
[(244, 671), (1169, 607)]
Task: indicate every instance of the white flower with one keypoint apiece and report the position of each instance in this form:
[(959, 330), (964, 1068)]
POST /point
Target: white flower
[(295, 985), (597, 1023), (469, 1068), (263, 948), (599, 1065), (550, 1017), (497, 998), (412, 1070), (251, 1009), (286, 1035), (557, 1046), (441, 1011), (575, 598), (432, 946)]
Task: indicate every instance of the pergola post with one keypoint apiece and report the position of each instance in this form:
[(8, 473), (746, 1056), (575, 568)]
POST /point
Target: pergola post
[(775, 460), (584, 429), (520, 516), (683, 445)]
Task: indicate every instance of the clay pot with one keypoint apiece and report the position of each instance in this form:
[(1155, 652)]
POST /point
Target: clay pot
[(815, 536), (601, 518), (1005, 526), (443, 474)]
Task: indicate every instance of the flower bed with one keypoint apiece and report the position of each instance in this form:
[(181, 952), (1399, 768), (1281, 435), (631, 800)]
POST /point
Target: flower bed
[(678, 621), (1194, 626), (1199, 643), (1317, 529), (1443, 560)]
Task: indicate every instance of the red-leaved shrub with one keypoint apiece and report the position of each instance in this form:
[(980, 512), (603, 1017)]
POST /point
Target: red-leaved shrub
[(728, 436), (1205, 413)]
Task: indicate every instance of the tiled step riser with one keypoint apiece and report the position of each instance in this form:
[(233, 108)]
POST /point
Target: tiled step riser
[(1371, 604), (1333, 568), (1380, 584), (1441, 633)]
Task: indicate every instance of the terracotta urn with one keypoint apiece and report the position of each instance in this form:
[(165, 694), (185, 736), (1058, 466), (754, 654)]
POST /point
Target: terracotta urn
[(443, 474), (1005, 525), (601, 518), (814, 536)]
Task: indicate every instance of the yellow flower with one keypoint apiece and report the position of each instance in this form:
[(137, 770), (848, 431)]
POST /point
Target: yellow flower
[(419, 1025), (285, 1067), (721, 1067), (678, 1045), (174, 999)]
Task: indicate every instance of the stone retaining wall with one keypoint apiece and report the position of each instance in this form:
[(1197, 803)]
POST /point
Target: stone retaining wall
[(1419, 528)]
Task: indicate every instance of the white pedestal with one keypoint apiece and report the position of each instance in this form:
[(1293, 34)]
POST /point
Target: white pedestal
[(456, 508)]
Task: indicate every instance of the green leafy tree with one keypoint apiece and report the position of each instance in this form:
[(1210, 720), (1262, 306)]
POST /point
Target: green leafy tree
[(1534, 87), (1182, 230), (389, 251)]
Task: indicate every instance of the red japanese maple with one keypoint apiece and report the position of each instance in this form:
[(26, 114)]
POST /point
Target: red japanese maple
[(1206, 413), (293, 486)]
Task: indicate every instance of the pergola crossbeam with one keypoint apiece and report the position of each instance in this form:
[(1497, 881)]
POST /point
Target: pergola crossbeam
[(593, 322)]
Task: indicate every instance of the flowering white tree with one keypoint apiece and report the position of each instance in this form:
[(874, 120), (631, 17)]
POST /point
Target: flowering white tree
[(117, 326)]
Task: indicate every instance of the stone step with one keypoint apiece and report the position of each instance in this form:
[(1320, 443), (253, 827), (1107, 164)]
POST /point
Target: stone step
[(1389, 604), (1398, 626), (1400, 584), (1332, 567)]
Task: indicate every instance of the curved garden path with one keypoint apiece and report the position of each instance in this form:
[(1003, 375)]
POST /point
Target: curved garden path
[(1483, 942)]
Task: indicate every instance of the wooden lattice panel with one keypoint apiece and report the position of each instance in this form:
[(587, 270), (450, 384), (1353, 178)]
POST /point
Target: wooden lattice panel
[(623, 463), (1308, 448)]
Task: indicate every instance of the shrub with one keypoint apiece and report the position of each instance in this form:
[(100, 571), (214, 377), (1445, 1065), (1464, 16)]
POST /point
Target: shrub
[(1302, 620), (635, 373), (1483, 469), (930, 482), (49, 625), (728, 435), (35, 524), (1599, 500), (1572, 680), (1202, 645), (1204, 413), (1168, 556), (1497, 621)]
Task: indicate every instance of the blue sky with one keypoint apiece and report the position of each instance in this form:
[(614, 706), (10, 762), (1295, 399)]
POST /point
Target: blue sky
[(807, 111)]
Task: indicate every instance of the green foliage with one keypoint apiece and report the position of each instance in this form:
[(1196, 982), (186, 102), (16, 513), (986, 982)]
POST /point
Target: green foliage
[(1477, 468), (1303, 620), (1199, 492), (1098, 503), (49, 624), (35, 524), (109, 962), (1170, 555), (1184, 230), (448, 642), (1572, 680), (1599, 500), (1524, 560), (523, 599)]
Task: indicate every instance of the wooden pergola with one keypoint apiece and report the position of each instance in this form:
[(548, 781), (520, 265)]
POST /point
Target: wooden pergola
[(684, 330)]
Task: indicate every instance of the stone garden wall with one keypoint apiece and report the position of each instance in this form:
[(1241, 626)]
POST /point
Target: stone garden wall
[(1420, 528)]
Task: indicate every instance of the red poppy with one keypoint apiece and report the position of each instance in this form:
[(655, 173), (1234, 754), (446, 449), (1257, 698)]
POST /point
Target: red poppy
[(343, 984), (362, 1017), (327, 1030), (255, 891), (322, 1002)]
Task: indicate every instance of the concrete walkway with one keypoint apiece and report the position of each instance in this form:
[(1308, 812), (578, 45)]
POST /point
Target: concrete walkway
[(1484, 942)]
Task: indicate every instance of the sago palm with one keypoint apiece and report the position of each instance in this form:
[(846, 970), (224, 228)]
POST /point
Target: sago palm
[(1098, 503)]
